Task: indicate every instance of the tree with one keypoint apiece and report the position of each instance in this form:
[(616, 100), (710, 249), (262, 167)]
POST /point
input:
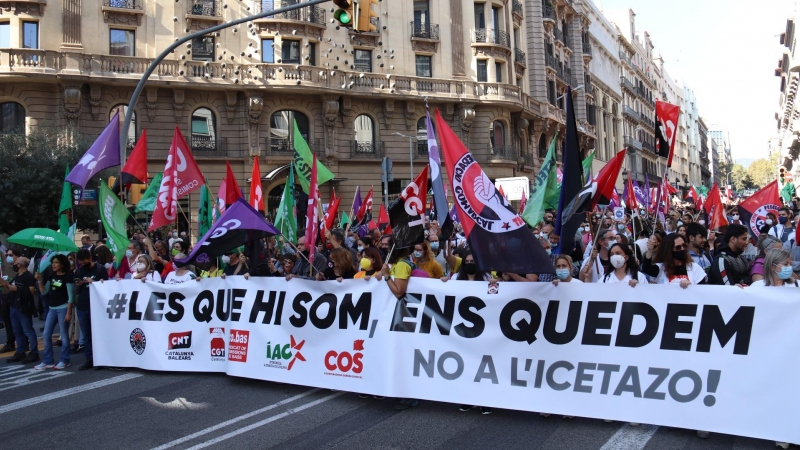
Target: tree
[(32, 174), (763, 171), (740, 178)]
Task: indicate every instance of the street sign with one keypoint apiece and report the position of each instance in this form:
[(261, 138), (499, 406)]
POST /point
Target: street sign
[(619, 214)]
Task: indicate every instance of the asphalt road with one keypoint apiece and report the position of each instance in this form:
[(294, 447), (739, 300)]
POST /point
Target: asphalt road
[(136, 409)]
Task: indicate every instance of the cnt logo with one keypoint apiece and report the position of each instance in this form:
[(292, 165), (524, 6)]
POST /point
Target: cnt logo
[(237, 345), (278, 354), (346, 364), (138, 341), (217, 343), (177, 342)]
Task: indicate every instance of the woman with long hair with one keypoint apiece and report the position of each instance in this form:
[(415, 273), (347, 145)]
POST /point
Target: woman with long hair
[(60, 279), (765, 242), (622, 266), (182, 273), (564, 269), (672, 263), (425, 260), (340, 266), (468, 271), (777, 270), (371, 263), (145, 270)]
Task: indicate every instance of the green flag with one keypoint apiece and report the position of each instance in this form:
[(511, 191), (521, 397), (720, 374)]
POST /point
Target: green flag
[(788, 192), (703, 190), (286, 217), (206, 206), (148, 200), (345, 220), (545, 191), (66, 197), (587, 166), (114, 215), (303, 158), (63, 223)]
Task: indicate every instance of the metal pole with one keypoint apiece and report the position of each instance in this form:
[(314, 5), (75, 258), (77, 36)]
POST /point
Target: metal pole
[(123, 136), (411, 156)]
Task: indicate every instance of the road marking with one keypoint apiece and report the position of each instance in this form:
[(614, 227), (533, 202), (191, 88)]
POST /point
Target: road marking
[(66, 392), (234, 420), (266, 421), (21, 378), (630, 438), (9, 369)]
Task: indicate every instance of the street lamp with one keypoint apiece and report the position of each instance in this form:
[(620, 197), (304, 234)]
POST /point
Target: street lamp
[(410, 151), (579, 88)]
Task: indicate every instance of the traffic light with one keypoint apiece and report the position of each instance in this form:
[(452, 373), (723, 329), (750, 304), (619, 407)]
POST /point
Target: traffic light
[(782, 175), (365, 13), (344, 15)]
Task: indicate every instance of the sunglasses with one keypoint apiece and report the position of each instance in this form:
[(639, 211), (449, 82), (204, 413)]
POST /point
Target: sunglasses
[(679, 247)]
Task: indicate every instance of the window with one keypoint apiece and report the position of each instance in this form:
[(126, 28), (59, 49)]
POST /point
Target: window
[(30, 34), (290, 52), (363, 60), (480, 16), (483, 75), (204, 130), (203, 49), (421, 19), (121, 42), (267, 50), (312, 54), (424, 66), (497, 23), (497, 135), (281, 132), (498, 72), (551, 92), (12, 118), (364, 134), (122, 110), (542, 146), (5, 35)]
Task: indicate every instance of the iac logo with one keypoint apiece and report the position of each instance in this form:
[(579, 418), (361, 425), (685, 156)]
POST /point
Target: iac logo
[(217, 344), (278, 355), (346, 364), (237, 345), (177, 342)]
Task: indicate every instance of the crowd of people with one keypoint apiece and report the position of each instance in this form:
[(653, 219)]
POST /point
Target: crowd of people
[(634, 249)]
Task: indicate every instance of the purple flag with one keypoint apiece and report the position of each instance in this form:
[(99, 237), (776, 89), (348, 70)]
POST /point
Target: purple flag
[(613, 202), (356, 204), (239, 224), (647, 198), (454, 214), (624, 197), (638, 192), (104, 153)]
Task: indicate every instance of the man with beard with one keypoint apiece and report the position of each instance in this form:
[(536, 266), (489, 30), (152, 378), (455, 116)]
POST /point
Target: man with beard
[(729, 267), (301, 267)]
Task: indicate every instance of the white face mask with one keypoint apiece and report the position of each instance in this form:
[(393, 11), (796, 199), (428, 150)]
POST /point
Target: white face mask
[(140, 267), (617, 261), (610, 244), (770, 222), (226, 259), (735, 217), (701, 222), (129, 253)]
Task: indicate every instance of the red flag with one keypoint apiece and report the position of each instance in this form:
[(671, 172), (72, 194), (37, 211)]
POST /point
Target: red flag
[(670, 189), (312, 214), (406, 214), (372, 225), (135, 170), (256, 196), (606, 179), (387, 231), (232, 191), (181, 177), (711, 200), (753, 211), (502, 192), (221, 194), (630, 195), (524, 200), (330, 216), (667, 116), (715, 210), (364, 213), (383, 216)]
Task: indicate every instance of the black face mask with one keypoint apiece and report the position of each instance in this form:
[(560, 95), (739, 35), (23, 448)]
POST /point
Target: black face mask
[(470, 268), (15, 267), (679, 255), (87, 265)]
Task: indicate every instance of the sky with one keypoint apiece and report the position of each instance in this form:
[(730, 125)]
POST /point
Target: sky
[(727, 52)]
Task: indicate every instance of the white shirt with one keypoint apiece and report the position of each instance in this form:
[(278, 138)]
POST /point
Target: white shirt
[(642, 243), (613, 278), (174, 278), (760, 283), (597, 271)]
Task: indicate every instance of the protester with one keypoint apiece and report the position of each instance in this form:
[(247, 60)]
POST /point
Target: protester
[(696, 235), (777, 270), (88, 272), (468, 271), (160, 255), (105, 258), (564, 268), (765, 242), (672, 264), (340, 266), (782, 229), (425, 260), (182, 272), (8, 273), (126, 267), (622, 267), (385, 245), (235, 263), (336, 239), (597, 262), (729, 267), (371, 263), (145, 270), (21, 289), (793, 248), (302, 268), (59, 281), (213, 270)]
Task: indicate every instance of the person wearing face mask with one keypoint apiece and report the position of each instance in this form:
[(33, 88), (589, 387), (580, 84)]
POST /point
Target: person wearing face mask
[(733, 219), (622, 267), (235, 263), (159, 254), (425, 260), (301, 267), (597, 262), (126, 267), (793, 248), (782, 229), (145, 270), (564, 268), (729, 267), (672, 263), (547, 245), (88, 272), (8, 272), (58, 281), (21, 288), (371, 263), (764, 243), (182, 272), (777, 270), (173, 238)]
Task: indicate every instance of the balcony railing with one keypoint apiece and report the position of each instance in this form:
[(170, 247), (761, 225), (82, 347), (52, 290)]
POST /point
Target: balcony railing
[(372, 149), (123, 4), (648, 146), (587, 48), (491, 36), (551, 61), (528, 159), (310, 14), (591, 115), (628, 111), (422, 147), (285, 146), (208, 144), (559, 35), (631, 142), (205, 8), (516, 7), (627, 84), (549, 13), (424, 30), (624, 57), (506, 152), (519, 57)]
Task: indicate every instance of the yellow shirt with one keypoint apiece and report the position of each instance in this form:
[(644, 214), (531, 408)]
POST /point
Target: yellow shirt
[(401, 270), (433, 268), (214, 274)]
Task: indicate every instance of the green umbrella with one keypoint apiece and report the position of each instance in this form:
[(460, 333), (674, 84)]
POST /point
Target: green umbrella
[(44, 238)]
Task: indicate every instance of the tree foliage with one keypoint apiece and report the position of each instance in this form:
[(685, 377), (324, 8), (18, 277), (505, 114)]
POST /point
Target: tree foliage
[(740, 178), (32, 174), (763, 171)]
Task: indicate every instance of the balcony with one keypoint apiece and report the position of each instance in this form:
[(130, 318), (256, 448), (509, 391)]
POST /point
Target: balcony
[(527, 159), (491, 36), (648, 146), (503, 152), (366, 149), (422, 147), (308, 15), (559, 36), (628, 111), (630, 142), (552, 62), (624, 58), (127, 12), (627, 85), (424, 30), (516, 9), (519, 58), (205, 9), (587, 51), (549, 15), (591, 116), (283, 146), (123, 4)]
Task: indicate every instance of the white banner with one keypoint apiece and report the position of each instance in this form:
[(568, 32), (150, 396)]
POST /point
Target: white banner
[(707, 358)]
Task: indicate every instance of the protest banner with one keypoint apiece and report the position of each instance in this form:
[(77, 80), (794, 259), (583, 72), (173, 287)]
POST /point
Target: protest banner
[(706, 357)]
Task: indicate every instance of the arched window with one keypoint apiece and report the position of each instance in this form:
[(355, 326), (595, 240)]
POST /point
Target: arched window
[(122, 110), (204, 130), (281, 132), (497, 134), (364, 134), (543, 146), (12, 118)]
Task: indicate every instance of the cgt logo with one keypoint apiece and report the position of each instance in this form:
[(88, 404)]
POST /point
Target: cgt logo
[(237, 345), (217, 343), (345, 364), (277, 354), (177, 341)]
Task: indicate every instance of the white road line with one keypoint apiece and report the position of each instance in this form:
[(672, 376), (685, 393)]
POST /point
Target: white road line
[(29, 376), (9, 369), (266, 421), (66, 392), (234, 420), (630, 438)]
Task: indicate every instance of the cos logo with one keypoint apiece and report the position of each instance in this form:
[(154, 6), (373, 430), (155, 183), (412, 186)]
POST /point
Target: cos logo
[(346, 361)]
